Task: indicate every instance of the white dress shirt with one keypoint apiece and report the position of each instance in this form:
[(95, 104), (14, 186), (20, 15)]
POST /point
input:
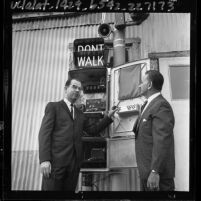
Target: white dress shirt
[(68, 103), (150, 99)]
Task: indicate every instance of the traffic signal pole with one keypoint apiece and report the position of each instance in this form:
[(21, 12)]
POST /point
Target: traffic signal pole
[(119, 40), (119, 176)]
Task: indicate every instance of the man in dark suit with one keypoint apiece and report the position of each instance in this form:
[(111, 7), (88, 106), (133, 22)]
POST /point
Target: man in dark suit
[(60, 143), (154, 137)]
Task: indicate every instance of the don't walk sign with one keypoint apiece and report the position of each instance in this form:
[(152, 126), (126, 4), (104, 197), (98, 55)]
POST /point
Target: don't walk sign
[(89, 52)]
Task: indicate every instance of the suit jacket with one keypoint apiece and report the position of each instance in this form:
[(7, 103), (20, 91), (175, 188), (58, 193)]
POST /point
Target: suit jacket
[(154, 139), (60, 136)]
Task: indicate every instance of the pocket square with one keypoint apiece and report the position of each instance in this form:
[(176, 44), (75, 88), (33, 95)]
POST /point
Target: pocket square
[(144, 120)]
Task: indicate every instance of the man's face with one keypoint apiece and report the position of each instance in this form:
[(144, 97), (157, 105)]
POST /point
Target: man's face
[(72, 92), (144, 86)]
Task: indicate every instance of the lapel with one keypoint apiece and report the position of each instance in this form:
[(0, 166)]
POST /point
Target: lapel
[(150, 105), (66, 108), (75, 113), (148, 109), (138, 121)]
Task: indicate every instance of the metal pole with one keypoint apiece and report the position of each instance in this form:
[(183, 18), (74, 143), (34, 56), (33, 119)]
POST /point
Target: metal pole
[(119, 45), (118, 180)]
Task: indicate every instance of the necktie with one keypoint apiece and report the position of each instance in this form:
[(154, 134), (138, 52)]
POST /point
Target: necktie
[(143, 106), (71, 109), (136, 125)]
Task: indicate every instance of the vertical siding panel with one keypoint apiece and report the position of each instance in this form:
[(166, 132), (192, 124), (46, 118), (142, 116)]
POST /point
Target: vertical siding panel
[(37, 180), (19, 174), (14, 166), (65, 56), (30, 169), (58, 78), (21, 108), (24, 166), (75, 33), (36, 88), (15, 74), (28, 91), (32, 172), (80, 32), (24, 120), (16, 84), (43, 55), (55, 64), (31, 89), (62, 55), (48, 66), (29, 107), (24, 90)]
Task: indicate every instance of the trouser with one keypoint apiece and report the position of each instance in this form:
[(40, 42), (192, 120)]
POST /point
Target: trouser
[(61, 179), (164, 184)]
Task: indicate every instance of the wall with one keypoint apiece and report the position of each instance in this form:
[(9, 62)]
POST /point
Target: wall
[(40, 61)]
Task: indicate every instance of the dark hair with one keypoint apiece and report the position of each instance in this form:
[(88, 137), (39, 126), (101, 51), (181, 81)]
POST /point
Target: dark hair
[(156, 78), (68, 82)]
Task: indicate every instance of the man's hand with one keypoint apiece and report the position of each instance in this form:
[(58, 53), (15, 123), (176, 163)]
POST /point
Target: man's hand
[(153, 181), (112, 112), (45, 168)]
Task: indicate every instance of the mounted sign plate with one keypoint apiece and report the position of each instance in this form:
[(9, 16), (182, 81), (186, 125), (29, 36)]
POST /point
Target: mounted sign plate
[(134, 108), (89, 52)]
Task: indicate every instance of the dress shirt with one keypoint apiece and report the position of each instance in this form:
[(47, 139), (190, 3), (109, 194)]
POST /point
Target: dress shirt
[(150, 99), (68, 103)]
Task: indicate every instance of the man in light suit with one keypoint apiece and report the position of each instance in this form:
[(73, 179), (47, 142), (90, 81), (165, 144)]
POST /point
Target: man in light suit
[(60, 142), (154, 137)]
